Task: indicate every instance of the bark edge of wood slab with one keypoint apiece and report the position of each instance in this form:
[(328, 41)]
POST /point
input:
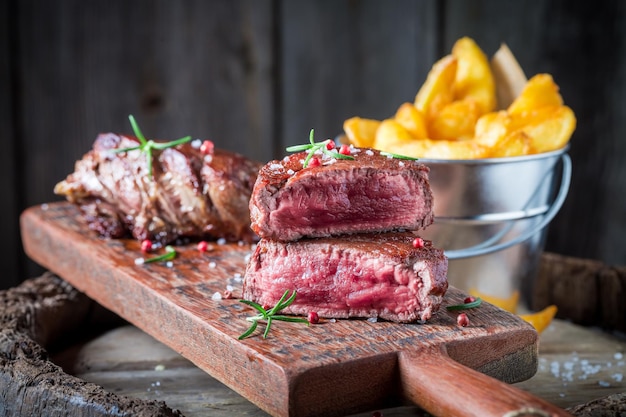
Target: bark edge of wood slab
[(333, 368), (32, 316)]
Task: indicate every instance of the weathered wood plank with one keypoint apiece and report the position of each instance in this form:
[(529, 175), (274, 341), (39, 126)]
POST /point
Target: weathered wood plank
[(198, 68), (9, 205), (32, 316), (350, 58)]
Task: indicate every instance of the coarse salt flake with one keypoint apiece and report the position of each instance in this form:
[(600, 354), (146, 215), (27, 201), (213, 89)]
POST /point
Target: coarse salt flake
[(618, 356), (159, 367), (290, 171), (221, 241), (169, 264), (369, 152), (196, 143), (217, 296), (139, 261), (229, 288), (212, 264), (276, 167), (372, 319)]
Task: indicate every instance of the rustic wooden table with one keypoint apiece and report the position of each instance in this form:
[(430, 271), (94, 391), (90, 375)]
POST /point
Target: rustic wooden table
[(576, 365)]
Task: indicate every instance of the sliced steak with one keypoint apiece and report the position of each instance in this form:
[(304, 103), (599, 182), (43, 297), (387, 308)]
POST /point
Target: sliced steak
[(189, 194), (365, 275), (372, 193)]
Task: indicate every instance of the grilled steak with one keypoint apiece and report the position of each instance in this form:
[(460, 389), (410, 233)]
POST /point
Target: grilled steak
[(189, 194), (363, 275), (372, 193)]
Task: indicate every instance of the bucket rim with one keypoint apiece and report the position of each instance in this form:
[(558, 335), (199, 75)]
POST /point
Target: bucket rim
[(499, 160)]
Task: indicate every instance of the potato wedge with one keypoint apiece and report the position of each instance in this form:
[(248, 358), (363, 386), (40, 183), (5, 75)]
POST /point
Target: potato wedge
[(361, 132), (412, 120), (474, 78), (438, 89), (540, 91), (440, 149), (516, 143), (491, 128), (549, 128), (456, 121), (390, 133)]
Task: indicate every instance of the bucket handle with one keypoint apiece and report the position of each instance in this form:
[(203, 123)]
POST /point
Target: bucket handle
[(483, 249)]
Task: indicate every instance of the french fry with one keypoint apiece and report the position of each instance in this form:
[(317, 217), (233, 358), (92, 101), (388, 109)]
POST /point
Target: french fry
[(361, 132), (412, 120), (473, 79)]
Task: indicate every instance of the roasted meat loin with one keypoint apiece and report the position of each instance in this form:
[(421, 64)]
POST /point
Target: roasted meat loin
[(360, 275), (372, 193), (189, 194)]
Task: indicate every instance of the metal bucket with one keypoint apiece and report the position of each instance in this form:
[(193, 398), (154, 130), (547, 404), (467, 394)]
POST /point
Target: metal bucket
[(491, 217)]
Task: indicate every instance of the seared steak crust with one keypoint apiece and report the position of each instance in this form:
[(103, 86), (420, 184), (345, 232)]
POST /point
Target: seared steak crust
[(372, 193), (362, 275), (190, 194)]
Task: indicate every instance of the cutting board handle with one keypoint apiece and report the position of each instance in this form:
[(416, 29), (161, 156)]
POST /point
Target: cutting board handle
[(444, 387)]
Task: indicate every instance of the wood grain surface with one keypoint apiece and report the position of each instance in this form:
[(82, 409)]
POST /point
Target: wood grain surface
[(332, 368)]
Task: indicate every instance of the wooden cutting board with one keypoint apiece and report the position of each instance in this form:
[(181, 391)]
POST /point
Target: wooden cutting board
[(332, 368)]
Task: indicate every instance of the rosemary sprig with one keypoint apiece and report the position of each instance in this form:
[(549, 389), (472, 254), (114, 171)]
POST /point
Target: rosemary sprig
[(313, 147), (465, 306), (170, 253), (146, 146), (397, 156), (270, 315)]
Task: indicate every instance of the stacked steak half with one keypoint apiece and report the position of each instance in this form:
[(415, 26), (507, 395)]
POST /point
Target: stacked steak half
[(342, 233)]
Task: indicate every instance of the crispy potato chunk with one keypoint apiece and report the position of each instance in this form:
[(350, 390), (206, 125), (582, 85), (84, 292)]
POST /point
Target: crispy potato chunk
[(412, 120), (540, 91), (438, 89), (473, 76), (549, 128), (454, 114), (361, 132), (455, 121), (389, 134), (441, 149)]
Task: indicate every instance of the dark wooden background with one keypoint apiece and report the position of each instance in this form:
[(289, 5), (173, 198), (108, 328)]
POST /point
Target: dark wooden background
[(255, 76)]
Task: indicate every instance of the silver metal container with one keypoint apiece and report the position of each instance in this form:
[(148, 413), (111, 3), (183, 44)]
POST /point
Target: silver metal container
[(491, 217)]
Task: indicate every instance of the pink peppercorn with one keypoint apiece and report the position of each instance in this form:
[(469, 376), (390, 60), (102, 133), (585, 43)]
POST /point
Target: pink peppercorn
[(313, 317), (202, 246), (315, 162), (146, 245), (469, 299), (462, 320), (207, 147), (330, 144), (418, 242), (344, 150)]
